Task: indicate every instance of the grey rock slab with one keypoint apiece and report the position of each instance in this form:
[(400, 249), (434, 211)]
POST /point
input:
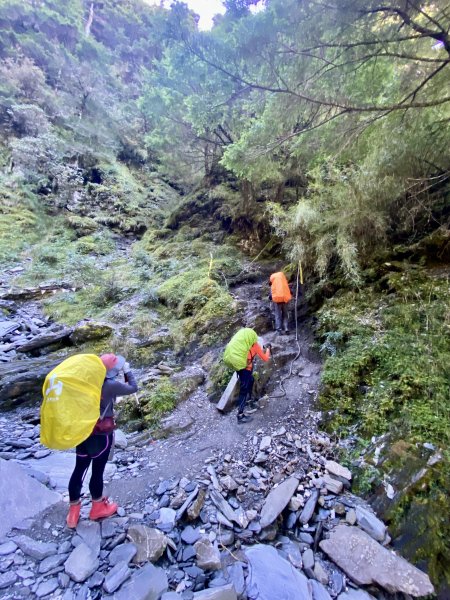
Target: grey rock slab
[(21, 496), (189, 535), (335, 468), (333, 485), (352, 594), (47, 587), (89, 532), (366, 562), (124, 552), (208, 556), (308, 559), (309, 508), (149, 583), (371, 524), (271, 577), (7, 579), (150, 543), (108, 529), (235, 576), (120, 439), (81, 563), (277, 500), (7, 547), (227, 398), (37, 550), (265, 443), (171, 596), (51, 562), (116, 577), (225, 592), (220, 502), (319, 592)]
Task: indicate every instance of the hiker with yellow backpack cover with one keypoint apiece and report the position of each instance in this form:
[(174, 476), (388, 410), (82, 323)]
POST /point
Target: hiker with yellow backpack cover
[(77, 411)]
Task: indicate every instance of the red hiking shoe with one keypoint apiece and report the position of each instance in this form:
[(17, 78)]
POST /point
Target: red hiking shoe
[(102, 508), (74, 515)]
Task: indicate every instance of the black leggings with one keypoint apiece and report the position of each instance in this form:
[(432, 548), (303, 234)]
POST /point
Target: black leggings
[(245, 390), (96, 449)]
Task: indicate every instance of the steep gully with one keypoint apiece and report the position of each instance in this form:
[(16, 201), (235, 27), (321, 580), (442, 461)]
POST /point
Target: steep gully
[(282, 443)]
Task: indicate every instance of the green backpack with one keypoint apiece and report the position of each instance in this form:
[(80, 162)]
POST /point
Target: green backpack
[(235, 354)]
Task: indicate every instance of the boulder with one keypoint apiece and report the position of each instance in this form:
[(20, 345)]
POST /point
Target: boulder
[(366, 562), (176, 423), (86, 332), (277, 500), (149, 583), (120, 439), (271, 577), (21, 496), (122, 553), (150, 543)]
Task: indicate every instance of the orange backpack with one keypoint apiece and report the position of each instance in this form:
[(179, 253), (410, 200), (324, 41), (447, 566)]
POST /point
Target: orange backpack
[(280, 288)]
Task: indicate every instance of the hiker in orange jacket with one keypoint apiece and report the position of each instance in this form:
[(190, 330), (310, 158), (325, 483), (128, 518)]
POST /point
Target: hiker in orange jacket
[(247, 380), (280, 294)]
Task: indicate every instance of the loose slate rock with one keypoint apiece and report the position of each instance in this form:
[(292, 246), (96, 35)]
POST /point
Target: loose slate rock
[(47, 587), (225, 592), (271, 577), (21, 496), (118, 575), (150, 543), (89, 532), (81, 563), (277, 500), (208, 557), (366, 562), (7, 548), (37, 550), (355, 595), (147, 584), (189, 535), (309, 507), (371, 524), (124, 552), (335, 468), (7, 579)]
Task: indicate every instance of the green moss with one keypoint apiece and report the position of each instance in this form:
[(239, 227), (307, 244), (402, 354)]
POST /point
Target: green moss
[(22, 221), (157, 400), (386, 371)]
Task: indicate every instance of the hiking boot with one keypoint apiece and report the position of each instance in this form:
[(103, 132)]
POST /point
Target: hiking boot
[(243, 418), (254, 404), (102, 508), (74, 515)]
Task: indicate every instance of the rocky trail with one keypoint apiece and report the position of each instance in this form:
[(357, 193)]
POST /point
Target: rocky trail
[(216, 511)]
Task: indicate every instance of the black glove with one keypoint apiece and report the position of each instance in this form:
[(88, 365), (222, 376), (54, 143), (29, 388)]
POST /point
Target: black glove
[(267, 346)]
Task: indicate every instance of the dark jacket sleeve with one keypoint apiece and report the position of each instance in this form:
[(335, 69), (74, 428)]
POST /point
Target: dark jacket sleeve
[(117, 388)]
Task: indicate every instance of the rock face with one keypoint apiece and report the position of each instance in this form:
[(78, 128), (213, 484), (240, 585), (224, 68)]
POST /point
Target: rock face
[(21, 496), (21, 378), (277, 500), (273, 578), (366, 562)]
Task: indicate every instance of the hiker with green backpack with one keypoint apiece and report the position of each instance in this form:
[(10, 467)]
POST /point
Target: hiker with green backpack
[(239, 355)]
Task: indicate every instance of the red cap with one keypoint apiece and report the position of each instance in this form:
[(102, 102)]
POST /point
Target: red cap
[(109, 360)]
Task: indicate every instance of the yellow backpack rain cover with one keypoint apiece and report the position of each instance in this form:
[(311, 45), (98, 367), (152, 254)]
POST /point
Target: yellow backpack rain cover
[(71, 401)]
